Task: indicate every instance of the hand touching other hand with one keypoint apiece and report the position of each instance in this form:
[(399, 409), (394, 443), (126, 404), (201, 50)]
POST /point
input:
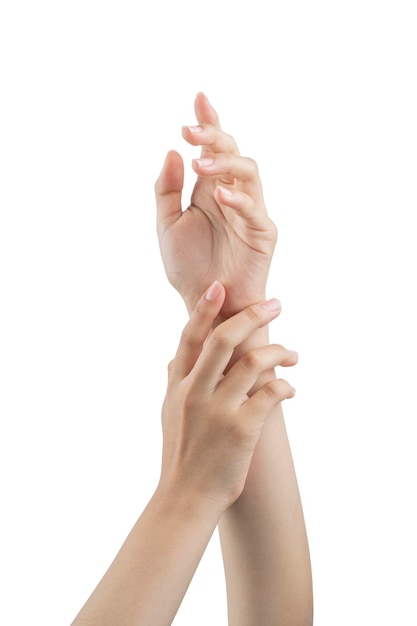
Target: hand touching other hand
[(211, 423)]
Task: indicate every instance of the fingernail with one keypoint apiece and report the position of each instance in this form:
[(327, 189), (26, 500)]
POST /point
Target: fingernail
[(213, 291), (194, 129), (206, 162), (225, 192), (293, 390), (293, 354), (272, 305)]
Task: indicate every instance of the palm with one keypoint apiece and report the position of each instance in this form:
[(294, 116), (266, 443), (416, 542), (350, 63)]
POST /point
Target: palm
[(208, 242)]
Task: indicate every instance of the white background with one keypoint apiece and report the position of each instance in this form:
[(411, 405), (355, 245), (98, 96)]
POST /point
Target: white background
[(323, 95)]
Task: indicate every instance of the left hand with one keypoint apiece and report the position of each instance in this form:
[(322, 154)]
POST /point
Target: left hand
[(225, 233), (211, 421)]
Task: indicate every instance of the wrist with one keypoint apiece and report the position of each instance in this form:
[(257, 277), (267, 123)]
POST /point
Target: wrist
[(186, 506), (233, 303)]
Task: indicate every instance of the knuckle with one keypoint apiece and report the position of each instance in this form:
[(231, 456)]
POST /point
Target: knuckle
[(253, 314), (218, 339), (191, 402), (229, 139), (199, 312), (270, 389), (279, 352), (284, 389), (187, 336), (250, 360), (274, 231), (252, 165), (278, 390), (235, 430)]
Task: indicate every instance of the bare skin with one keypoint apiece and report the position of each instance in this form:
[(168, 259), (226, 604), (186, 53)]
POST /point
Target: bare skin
[(225, 233), (232, 238), (226, 458), (210, 430)]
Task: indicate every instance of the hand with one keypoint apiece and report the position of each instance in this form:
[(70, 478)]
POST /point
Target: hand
[(225, 233), (210, 424)]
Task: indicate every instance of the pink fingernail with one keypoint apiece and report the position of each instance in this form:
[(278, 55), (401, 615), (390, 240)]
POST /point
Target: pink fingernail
[(225, 192), (206, 162), (213, 291), (194, 129), (272, 305)]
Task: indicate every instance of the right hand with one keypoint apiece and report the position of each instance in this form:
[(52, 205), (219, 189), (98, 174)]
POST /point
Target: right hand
[(210, 423)]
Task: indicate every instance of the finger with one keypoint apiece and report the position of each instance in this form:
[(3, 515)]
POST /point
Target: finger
[(211, 137), (206, 114), (244, 205), (258, 406), (246, 371), (224, 339), (229, 168), (168, 190), (204, 111), (197, 329)]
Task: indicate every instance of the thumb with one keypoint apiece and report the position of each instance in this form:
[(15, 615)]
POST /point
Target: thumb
[(168, 190)]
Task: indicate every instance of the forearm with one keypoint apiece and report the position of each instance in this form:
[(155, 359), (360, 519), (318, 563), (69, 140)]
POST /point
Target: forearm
[(147, 581), (264, 541)]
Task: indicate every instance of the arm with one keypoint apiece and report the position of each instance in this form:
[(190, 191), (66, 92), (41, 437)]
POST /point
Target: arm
[(147, 580), (263, 536), (210, 430)]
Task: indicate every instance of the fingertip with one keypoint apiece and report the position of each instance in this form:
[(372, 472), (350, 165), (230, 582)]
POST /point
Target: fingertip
[(293, 356), (204, 109), (272, 305), (173, 155), (171, 177)]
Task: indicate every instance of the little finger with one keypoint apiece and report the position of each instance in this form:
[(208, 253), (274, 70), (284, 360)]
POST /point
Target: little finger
[(257, 407)]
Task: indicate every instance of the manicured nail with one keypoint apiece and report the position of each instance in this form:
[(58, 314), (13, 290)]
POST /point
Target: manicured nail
[(213, 291), (272, 305), (204, 162), (194, 129), (225, 192)]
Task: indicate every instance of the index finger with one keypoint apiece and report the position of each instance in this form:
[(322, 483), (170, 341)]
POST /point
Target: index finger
[(197, 330)]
